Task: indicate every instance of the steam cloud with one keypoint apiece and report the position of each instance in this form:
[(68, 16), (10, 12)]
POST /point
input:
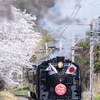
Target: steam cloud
[(51, 9), (5, 8), (37, 7), (55, 12)]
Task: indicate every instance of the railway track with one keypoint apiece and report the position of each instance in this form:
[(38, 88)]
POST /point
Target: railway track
[(23, 97)]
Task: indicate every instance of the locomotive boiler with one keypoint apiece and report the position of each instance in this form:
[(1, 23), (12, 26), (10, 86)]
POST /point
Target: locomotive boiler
[(55, 79)]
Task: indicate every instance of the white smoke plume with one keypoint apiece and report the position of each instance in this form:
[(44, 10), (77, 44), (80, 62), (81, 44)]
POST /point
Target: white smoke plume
[(37, 7), (5, 8), (63, 18)]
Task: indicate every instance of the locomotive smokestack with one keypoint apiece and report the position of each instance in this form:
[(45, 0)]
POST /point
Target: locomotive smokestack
[(60, 59)]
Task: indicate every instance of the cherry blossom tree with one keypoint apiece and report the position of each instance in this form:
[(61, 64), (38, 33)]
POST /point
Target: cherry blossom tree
[(17, 42)]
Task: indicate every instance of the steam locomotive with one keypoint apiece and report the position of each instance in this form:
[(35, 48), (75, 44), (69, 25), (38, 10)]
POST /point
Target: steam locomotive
[(55, 79)]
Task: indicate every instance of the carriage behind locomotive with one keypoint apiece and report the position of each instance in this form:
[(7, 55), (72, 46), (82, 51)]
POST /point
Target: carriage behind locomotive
[(55, 79)]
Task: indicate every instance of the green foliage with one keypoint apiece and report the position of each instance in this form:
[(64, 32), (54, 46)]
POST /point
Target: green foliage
[(33, 58), (8, 88), (84, 60), (97, 58), (97, 67), (20, 92), (97, 97), (46, 38), (2, 96)]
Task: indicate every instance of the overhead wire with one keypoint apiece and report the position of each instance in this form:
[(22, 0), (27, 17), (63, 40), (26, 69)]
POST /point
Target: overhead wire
[(67, 24), (71, 15), (93, 2), (73, 18)]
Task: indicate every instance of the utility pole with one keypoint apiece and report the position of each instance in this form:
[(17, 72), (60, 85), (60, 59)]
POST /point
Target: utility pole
[(75, 40), (73, 44), (91, 61), (46, 47), (92, 36), (91, 58), (60, 48)]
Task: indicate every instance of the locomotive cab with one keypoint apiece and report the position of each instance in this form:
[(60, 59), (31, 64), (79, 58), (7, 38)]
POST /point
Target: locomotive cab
[(56, 79)]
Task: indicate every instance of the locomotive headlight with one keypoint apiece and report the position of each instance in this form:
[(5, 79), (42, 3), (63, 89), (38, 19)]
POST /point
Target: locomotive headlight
[(60, 65)]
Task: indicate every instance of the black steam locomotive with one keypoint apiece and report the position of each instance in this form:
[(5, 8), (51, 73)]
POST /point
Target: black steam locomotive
[(55, 79)]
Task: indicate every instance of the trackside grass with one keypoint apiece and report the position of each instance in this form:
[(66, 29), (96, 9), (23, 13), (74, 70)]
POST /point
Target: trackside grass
[(6, 95), (21, 92), (97, 97)]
